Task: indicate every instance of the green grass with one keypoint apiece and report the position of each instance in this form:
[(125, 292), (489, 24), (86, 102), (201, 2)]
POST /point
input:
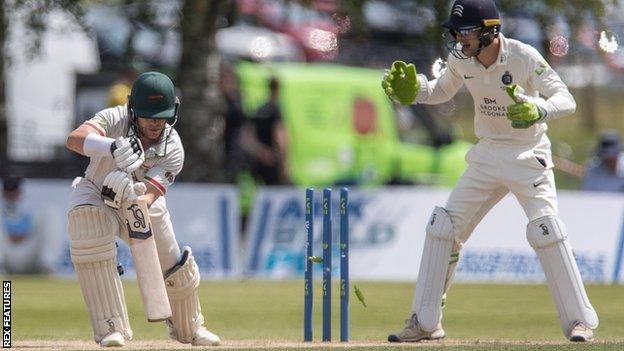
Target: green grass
[(477, 317)]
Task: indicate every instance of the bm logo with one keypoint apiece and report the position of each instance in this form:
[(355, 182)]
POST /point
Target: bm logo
[(544, 229), (489, 101)]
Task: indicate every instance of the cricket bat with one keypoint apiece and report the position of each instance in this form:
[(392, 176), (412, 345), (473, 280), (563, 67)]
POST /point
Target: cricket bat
[(146, 262)]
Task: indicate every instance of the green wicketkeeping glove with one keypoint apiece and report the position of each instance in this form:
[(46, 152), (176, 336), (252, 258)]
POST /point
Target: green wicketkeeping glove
[(400, 82), (523, 113)]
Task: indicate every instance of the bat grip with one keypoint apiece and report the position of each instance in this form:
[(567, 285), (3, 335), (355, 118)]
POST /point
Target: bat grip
[(132, 196), (522, 98)]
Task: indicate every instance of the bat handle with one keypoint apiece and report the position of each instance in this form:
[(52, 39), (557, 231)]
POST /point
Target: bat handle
[(522, 98), (132, 196)]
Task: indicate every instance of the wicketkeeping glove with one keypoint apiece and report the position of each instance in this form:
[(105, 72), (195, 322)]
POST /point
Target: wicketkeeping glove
[(524, 113), (128, 153), (400, 82), (118, 187)]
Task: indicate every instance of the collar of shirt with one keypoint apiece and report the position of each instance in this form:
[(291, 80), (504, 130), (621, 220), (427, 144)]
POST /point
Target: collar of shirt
[(501, 60), (160, 148)]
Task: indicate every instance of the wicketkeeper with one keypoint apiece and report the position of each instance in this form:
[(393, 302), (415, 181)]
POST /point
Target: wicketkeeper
[(515, 93), (133, 151)]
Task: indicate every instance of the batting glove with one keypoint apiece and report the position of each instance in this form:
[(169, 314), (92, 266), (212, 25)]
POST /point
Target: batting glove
[(525, 112), (118, 187), (128, 153), (400, 82)]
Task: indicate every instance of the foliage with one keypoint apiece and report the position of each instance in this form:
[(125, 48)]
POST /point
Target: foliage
[(206, 123), (542, 10), (35, 15)]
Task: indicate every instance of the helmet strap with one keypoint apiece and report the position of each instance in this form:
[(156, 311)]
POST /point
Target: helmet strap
[(488, 34), (132, 116)]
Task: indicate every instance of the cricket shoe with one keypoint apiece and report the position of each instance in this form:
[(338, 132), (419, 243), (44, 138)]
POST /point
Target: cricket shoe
[(203, 337), (413, 333), (114, 339), (581, 333)]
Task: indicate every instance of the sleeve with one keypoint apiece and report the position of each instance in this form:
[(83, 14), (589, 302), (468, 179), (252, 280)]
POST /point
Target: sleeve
[(107, 122), (558, 101), (442, 89), (162, 175)]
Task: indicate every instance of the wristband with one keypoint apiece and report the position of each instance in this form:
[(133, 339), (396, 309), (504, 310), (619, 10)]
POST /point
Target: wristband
[(97, 146)]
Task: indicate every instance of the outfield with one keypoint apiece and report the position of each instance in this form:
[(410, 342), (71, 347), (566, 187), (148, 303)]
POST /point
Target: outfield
[(50, 314)]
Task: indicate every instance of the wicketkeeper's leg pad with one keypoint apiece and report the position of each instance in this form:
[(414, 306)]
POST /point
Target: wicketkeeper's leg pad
[(434, 269), (182, 282), (450, 272), (94, 255), (547, 237)]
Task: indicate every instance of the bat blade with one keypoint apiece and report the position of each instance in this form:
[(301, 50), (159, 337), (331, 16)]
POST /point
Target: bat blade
[(146, 262)]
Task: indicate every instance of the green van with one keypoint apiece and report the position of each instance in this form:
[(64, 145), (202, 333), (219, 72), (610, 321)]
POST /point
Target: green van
[(343, 128)]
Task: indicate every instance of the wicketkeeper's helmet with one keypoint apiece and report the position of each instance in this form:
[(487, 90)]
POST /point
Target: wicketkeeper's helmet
[(472, 15)]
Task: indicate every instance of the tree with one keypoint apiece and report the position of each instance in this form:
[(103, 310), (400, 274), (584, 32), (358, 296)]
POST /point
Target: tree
[(202, 124)]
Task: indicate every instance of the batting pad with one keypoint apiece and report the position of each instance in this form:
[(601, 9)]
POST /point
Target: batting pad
[(181, 282), (93, 253), (434, 266), (547, 237)]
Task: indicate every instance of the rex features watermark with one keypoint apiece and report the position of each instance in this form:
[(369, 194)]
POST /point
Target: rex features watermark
[(6, 314)]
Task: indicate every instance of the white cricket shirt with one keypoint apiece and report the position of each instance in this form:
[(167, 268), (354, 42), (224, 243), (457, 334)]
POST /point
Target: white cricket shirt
[(163, 161), (517, 63)]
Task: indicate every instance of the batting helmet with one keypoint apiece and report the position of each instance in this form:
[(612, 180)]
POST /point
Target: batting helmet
[(472, 15), (153, 96)]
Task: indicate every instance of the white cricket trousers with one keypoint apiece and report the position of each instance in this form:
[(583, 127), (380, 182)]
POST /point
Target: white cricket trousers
[(494, 169)]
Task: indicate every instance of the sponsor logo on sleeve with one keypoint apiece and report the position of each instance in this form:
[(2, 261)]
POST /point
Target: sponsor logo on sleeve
[(541, 69)]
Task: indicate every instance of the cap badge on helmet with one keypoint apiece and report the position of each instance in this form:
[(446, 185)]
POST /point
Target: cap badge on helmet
[(155, 97), (458, 10), (478, 16)]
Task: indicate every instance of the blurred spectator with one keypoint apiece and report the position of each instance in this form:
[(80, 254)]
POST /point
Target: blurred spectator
[(604, 171), (236, 163), (234, 119), (266, 141), (23, 241), (119, 91)]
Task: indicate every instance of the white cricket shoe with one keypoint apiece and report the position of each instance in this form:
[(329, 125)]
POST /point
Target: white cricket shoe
[(203, 337), (581, 333), (413, 333), (114, 339)]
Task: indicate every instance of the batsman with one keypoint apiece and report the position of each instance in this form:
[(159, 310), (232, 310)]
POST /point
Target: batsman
[(135, 155), (515, 93)]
